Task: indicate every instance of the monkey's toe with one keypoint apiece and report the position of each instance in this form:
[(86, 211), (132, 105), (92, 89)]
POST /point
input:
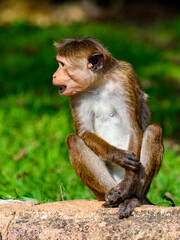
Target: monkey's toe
[(113, 199), (113, 195), (108, 204), (126, 208)]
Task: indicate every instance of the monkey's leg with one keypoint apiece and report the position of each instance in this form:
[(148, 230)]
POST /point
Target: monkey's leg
[(151, 160), (89, 168), (126, 189)]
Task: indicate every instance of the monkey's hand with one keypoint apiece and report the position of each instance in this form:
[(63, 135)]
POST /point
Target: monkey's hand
[(125, 159), (122, 191)]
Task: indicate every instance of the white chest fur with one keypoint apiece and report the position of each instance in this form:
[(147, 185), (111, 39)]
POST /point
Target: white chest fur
[(103, 113), (109, 123), (108, 116)]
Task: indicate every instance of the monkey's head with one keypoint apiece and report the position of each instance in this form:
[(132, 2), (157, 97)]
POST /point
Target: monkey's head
[(81, 61)]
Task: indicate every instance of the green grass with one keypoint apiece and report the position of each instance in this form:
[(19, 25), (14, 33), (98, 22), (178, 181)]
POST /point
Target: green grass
[(35, 120)]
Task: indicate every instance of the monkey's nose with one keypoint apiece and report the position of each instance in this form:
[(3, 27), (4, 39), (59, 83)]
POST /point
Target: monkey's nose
[(54, 81)]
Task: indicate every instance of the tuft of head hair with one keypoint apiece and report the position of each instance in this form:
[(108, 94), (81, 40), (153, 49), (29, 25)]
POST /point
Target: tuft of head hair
[(80, 47)]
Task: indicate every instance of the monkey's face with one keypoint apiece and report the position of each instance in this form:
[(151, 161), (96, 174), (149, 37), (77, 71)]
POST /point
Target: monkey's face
[(75, 75)]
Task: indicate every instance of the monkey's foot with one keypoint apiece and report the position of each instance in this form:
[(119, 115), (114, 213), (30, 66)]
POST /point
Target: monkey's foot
[(126, 208), (113, 199)]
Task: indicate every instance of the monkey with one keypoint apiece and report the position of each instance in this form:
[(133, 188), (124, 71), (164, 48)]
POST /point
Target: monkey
[(116, 150)]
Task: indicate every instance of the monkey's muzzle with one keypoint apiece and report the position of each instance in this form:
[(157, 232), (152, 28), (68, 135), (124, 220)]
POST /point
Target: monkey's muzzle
[(62, 88)]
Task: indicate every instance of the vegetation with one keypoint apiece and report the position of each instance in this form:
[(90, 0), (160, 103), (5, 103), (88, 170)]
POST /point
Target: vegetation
[(35, 120)]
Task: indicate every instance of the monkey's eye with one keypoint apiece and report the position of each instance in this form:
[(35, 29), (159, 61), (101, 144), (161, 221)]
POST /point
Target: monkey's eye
[(62, 64)]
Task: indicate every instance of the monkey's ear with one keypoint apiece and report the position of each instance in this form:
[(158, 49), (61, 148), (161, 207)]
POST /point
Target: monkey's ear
[(96, 61)]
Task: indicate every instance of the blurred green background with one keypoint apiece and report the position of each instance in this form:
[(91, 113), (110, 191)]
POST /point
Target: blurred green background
[(35, 120)]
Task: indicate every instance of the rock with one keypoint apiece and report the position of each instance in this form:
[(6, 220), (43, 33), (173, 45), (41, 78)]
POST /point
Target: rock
[(8, 210), (86, 219)]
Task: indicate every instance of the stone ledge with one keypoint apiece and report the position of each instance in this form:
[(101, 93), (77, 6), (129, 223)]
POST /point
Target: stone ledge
[(85, 219)]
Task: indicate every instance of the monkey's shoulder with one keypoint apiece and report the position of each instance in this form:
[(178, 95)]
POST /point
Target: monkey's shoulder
[(126, 69), (124, 65)]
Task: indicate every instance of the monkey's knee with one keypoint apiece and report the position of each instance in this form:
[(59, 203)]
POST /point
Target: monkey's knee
[(153, 132), (87, 166), (77, 153), (152, 147), (73, 141), (151, 157), (153, 141), (75, 146)]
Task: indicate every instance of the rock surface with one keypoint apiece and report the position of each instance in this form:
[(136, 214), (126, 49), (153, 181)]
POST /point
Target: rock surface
[(85, 219)]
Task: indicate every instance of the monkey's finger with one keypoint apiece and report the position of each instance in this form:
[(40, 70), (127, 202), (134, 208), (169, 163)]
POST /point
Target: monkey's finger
[(132, 163), (129, 166), (132, 156), (130, 153)]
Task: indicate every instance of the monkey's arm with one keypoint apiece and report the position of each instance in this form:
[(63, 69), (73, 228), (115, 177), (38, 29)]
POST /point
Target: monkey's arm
[(109, 153)]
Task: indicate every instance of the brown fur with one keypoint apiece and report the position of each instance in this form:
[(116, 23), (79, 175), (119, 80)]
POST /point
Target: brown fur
[(90, 154)]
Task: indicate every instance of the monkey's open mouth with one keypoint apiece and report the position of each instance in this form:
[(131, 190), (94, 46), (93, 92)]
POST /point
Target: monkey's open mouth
[(62, 88)]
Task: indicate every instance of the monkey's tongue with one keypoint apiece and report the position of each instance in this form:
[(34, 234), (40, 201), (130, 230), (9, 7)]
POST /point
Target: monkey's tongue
[(62, 88)]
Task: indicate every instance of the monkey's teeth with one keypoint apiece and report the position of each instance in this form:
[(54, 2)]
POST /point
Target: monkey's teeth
[(62, 88)]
